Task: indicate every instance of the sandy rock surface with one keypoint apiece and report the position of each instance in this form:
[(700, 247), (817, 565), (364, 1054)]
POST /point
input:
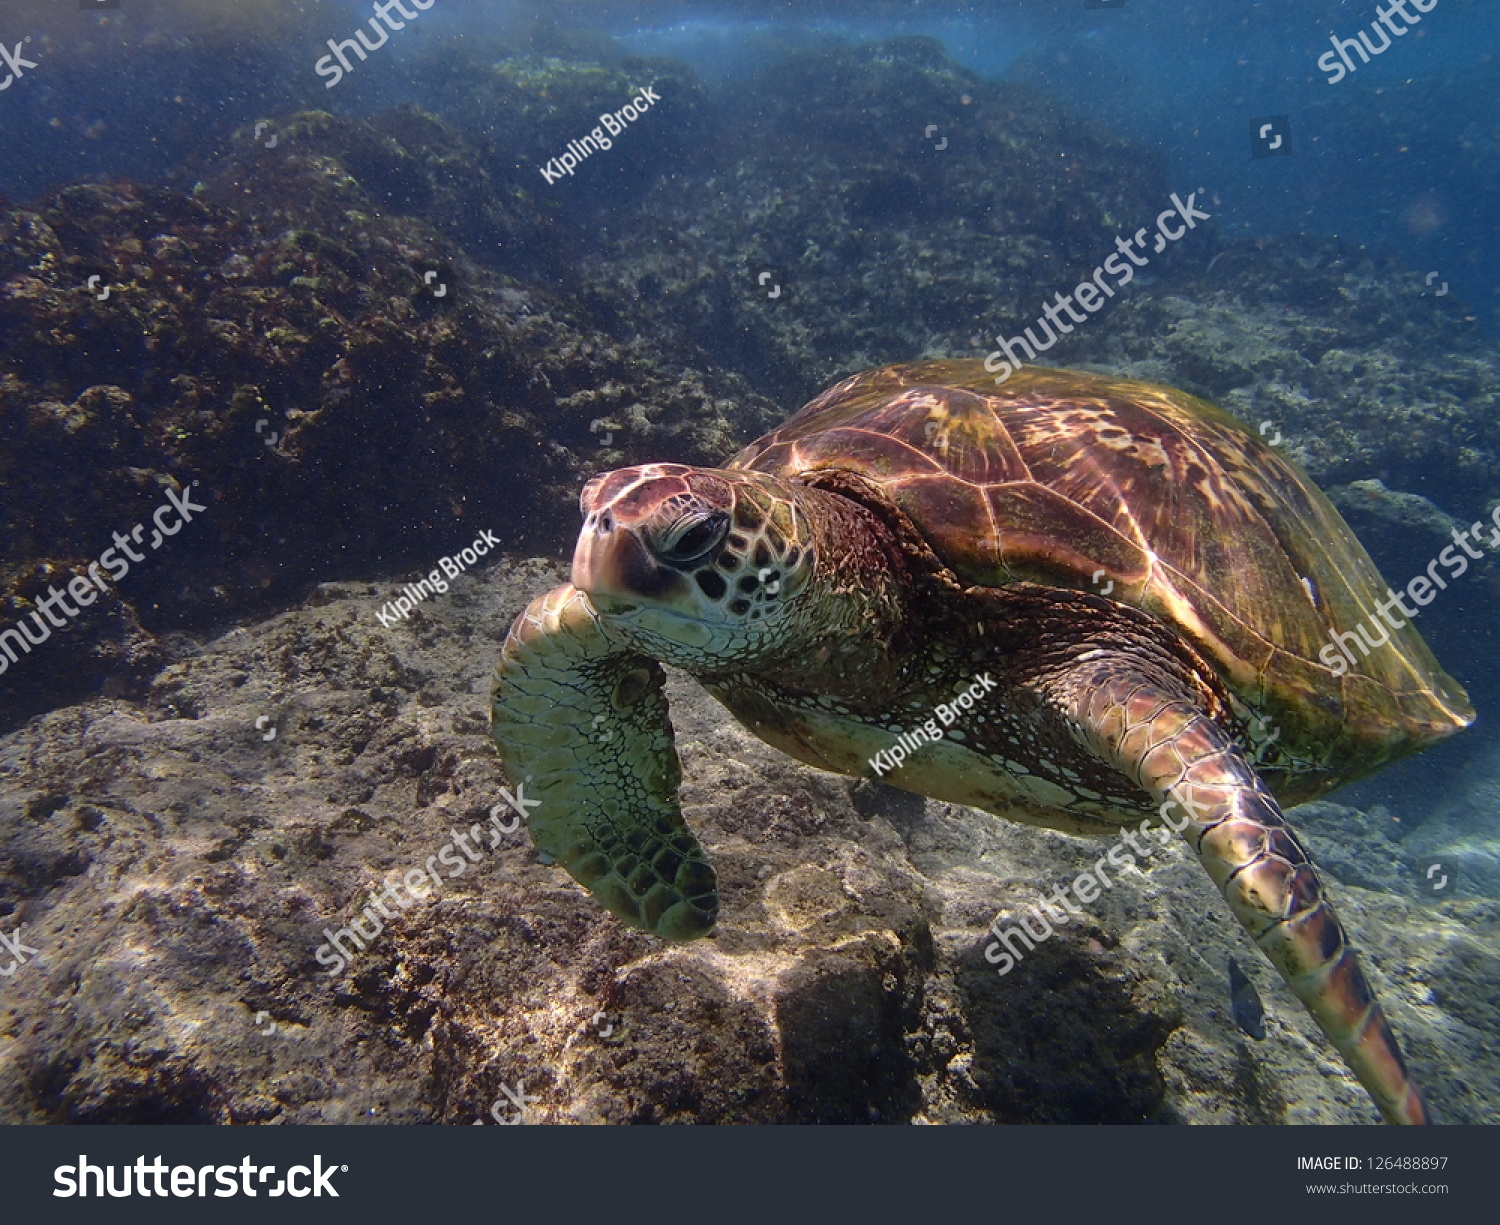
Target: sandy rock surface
[(175, 870)]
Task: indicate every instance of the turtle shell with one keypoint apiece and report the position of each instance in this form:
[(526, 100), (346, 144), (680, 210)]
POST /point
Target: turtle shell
[(1159, 500)]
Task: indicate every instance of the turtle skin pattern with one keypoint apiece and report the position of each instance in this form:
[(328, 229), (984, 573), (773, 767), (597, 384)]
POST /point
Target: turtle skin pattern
[(607, 804)]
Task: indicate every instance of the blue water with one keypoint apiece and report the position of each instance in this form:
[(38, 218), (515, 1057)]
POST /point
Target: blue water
[(1392, 155)]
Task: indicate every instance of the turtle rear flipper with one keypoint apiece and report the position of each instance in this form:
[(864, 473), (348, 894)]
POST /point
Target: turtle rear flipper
[(581, 721), (1152, 728)]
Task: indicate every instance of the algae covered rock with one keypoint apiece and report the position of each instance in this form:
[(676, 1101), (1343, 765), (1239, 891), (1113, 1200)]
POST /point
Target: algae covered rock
[(277, 336), (178, 873), (924, 206)]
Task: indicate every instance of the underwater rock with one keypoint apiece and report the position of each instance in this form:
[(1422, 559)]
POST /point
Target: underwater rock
[(1343, 353), (1355, 847), (178, 862), (273, 337), (1460, 839), (926, 208)]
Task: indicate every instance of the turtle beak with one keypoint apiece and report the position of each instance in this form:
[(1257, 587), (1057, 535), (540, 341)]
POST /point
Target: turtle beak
[(613, 567)]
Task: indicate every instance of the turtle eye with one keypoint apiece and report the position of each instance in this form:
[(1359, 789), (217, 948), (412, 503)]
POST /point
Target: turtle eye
[(691, 539)]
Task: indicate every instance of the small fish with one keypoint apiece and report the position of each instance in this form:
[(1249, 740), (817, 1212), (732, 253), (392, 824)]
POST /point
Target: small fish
[(1244, 1002)]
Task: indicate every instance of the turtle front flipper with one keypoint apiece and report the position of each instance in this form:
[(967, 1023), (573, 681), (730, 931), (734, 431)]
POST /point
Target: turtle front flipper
[(1154, 729), (582, 725)]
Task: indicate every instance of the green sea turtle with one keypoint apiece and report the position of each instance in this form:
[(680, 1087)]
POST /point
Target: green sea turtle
[(1147, 592)]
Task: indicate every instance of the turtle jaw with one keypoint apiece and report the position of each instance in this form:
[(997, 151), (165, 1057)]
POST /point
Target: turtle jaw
[(615, 570), (647, 602), (650, 605)]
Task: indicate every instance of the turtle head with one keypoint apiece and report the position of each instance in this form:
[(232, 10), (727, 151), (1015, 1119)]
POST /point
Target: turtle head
[(699, 566)]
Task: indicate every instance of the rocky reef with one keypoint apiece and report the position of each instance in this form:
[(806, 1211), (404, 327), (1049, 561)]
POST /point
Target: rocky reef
[(177, 870), (275, 335), (230, 753), (925, 206)]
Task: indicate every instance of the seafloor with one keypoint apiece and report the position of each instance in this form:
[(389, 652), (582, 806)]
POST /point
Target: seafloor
[(271, 335)]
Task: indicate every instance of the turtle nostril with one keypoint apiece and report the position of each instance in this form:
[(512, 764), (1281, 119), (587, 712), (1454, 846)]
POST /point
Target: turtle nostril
[(606, 524)]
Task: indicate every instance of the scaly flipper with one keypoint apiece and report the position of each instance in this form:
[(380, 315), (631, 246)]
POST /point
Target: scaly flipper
[(1152, 727), (581, 722)]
